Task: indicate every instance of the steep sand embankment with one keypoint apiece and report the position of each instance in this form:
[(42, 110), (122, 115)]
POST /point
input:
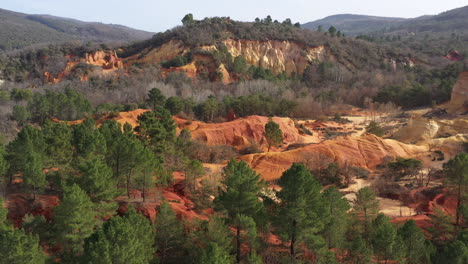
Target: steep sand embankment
[(367, 151)]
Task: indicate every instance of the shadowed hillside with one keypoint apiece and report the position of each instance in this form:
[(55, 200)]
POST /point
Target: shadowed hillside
[(18, 30)]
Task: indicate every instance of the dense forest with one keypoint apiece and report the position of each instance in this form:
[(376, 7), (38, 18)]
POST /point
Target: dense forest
[(88, 167)]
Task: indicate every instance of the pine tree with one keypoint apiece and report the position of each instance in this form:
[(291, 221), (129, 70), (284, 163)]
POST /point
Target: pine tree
[(4, 166), (88, 140), (366, 207), (33, 174), (127, 239), (194, 170), (359, 252), (155, 98), (240, 195), (157, 130), (18, 247), (214, 254), (170, 236), (147, 165), (97, 180), (456, 171), (442, 229), (273, 134), (28, 145), (213, 231), (58, 142), (335, 228), (301, 207), (115, 145), (74, 220), (415, 244), (384, 239), (4, 222)]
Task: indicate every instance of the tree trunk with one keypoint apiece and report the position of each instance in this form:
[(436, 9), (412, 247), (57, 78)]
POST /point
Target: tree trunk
[(238, 242), (293, 240), (457, 221), (144, 189)]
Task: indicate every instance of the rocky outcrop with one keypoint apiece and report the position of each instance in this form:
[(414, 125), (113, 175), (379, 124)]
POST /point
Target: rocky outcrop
[(278, 56), (107, 60), (459, 99)]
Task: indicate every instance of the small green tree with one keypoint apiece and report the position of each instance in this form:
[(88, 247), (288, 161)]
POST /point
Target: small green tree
[(359, 252), (214, 254), (213, 231), (301, 210), (332, 31), (442, 230), (88, 140), (415, 247), (155, 98), (384, 239), (335, 228), (273, 134), (16, 246), (456, 171), (239, 65), (375, 129), (240, 196), (4, 166), (127, 239), (193, 170), (74, 220), (366, 207), (58, 143), (148, 164), (21, 114), (187, 20), (175, 105), (157, 130), (97, 180), (170, 236)]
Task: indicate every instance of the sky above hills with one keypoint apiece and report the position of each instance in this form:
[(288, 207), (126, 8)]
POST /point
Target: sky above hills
[(157, 15)]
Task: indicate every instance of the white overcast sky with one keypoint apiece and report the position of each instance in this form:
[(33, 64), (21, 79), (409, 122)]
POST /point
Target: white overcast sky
[(157, 15)]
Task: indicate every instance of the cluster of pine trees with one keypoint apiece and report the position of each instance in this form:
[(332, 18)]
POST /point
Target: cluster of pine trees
[(88, 166)]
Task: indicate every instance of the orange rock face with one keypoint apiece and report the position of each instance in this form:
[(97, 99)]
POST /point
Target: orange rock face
[(367, 151), (459, 99), (107, 61)]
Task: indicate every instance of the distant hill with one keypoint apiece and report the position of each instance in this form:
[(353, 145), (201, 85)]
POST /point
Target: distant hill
[(455, 20), (18, 30), (449, 21), (354, 24)]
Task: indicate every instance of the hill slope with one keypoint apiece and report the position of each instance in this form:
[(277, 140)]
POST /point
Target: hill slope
[(354, 24), (449, 21), (18, 30)]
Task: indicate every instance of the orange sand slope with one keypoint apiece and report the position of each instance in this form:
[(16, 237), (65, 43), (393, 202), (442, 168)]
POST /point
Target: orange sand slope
[(367, 151)]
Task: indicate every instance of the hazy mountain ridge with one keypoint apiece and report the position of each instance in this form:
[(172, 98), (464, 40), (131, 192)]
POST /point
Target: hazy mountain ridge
[(452, 20), (18, 30), (354, 24)]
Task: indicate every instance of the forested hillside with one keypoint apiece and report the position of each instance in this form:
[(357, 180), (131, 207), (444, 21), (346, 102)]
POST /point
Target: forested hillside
[(18, 30)]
